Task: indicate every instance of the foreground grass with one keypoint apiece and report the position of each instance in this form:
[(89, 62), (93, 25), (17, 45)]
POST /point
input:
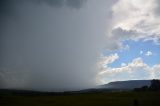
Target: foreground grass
[(94, 99)]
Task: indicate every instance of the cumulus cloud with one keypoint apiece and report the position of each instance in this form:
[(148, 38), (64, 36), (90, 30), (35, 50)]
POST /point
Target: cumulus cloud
[(132, 20), (148, 53), (8, 8), (105, 60), (136, 69), (155, 71)]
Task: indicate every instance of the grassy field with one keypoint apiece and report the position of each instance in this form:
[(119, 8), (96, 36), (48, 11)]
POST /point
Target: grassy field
[(92, 99)]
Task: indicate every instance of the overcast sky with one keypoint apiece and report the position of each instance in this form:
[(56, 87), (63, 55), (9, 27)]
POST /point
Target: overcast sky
[(75, 44)]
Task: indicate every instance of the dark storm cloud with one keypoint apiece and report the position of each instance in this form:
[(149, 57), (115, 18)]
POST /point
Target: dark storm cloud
[(7, 7), (49, 48), (70, 3), (56, 3), (75, 3)]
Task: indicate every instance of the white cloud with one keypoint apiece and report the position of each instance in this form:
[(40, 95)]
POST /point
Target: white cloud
[(105, 60), (155, 71), (141, 52), (134, 15), (136, 69), (132, 20), (149, 53)]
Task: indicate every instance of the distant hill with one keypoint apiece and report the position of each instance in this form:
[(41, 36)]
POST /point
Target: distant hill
[(112, 86), (131, 84)]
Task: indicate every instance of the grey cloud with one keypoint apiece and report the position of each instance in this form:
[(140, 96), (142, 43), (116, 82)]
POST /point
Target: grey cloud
[(122, 34), (53, 49), (157, 9), (75, 3), (118, 35), (58, 3), (132, 24), (8, 7)]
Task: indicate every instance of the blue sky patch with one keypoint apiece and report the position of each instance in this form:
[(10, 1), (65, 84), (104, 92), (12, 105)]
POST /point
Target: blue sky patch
[(135, 47)]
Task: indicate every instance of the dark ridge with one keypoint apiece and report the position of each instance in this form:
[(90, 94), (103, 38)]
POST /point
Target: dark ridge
[(116, 86)]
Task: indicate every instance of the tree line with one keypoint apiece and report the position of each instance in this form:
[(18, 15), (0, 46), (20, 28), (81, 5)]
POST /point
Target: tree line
[(154, 86)]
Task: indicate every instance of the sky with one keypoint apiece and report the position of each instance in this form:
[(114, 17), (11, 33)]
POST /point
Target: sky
[(57, 45)]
